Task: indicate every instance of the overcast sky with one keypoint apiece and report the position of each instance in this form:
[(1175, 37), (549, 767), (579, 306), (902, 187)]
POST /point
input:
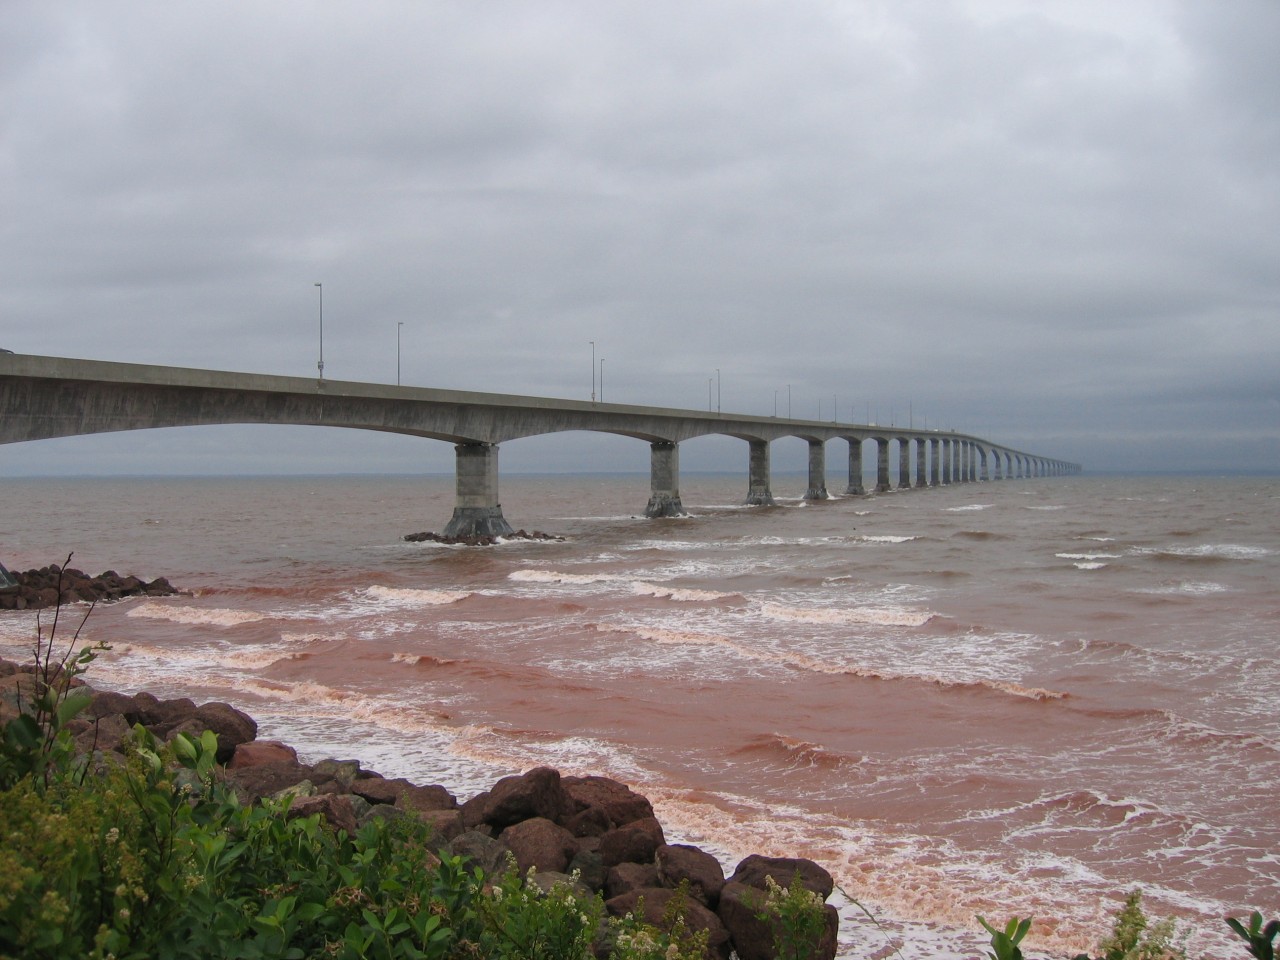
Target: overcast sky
[(1053, 224)]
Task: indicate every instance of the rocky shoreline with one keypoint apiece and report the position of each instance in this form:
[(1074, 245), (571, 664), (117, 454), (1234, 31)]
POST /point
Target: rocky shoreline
[(593, 831), (52, 585)]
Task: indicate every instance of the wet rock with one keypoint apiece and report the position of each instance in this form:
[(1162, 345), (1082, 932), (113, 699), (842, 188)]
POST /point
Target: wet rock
[(678, 863), (540, 844), (651, 904), (637, 842)]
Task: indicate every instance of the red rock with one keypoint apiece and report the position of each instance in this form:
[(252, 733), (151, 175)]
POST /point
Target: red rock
[(619, 803), (635, 843), (753, 938), (681, 862), (257, 752), (539, 843), (335, 809), (534, 794), (753, 870), (696, 916)]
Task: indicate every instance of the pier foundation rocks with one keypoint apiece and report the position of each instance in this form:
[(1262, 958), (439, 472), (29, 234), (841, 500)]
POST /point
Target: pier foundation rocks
[(476, 511), (758, 492), (664, 481)]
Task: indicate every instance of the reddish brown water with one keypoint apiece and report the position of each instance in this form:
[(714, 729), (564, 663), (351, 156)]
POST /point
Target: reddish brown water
[(1006, 698)]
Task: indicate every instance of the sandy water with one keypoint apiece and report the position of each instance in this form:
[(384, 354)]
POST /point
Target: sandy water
[(1018, 697)]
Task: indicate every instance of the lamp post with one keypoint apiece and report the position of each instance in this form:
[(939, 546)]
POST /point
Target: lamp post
[(320, 365), (399, 324), (593, 370), (788, 401), (775, 404)]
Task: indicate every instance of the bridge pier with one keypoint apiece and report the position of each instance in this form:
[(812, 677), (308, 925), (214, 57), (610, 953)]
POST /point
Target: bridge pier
[(855, 487), (922, 465), (882, 465), (758, 492), (664, 481), (934, 466), (476, 511), (817, 472), (904, 463)]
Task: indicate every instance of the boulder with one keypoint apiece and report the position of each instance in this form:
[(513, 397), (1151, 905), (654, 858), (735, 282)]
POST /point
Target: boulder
[(618, 803), (625, 877), (541, 844), (740, 910), (334, 809), (232, 727), (637, 842), (266, 779), (255, 753), (752, 872), (534, 794), (679, 863), (654, 911), (482, 851)]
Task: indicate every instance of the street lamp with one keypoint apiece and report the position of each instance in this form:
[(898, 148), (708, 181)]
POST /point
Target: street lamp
[(399, 324), (320, 365), (593, 370), (788, 401)]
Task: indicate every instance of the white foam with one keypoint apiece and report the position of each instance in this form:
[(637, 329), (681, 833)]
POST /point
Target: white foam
[(1087, 556), (1089, 565), (196, 616), (412, 596), (970, 506), (878, 616), (642, 589), (886, 539), (556, 576), (1190, 588)]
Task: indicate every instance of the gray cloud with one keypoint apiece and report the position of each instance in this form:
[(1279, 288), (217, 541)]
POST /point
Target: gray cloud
[(1011, 217)]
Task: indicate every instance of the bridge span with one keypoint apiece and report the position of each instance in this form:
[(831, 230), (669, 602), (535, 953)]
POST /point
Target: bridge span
[(45, 397)]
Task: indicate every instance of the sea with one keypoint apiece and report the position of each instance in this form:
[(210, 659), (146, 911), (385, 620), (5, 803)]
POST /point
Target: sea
[(1009, 699)]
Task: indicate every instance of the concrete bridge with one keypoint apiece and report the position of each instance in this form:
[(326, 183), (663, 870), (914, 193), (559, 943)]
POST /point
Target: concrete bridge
[(44, 397)]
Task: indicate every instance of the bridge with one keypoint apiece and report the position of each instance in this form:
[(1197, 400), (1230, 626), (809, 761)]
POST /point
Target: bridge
[(45, 397)]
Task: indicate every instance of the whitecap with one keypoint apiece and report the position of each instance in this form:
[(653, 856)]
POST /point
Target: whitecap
[(876, 616), (642, 589), (196, 616), (413, 596)]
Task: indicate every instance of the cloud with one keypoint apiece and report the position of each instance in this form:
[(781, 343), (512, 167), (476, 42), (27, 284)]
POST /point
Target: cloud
[(998, 210)]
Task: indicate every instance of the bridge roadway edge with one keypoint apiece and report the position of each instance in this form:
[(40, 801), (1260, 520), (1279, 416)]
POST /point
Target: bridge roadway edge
[(46, 397)]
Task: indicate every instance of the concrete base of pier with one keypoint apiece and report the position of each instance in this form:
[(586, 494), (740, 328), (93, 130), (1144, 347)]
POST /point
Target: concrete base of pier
[(478, 522)]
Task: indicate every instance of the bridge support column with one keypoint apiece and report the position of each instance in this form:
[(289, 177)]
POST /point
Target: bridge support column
[(855, 487), (904, 463), (758, 492), (882, 465), (946, 461), (922, 462), (817, 471), (995, 465), (476, 511), (934, 467), (664, 481), (982, 464)]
